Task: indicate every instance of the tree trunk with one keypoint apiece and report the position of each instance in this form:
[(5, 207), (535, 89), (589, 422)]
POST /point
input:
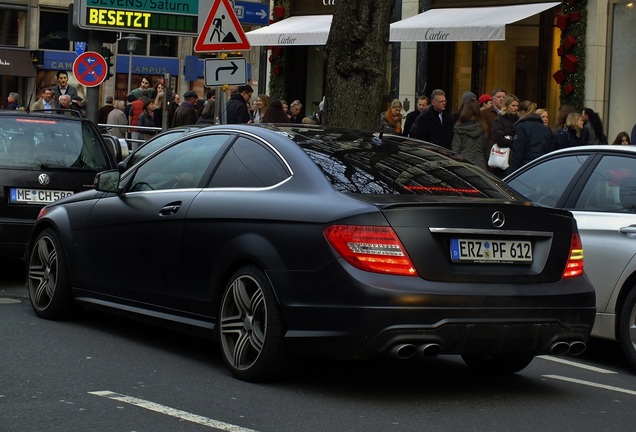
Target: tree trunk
[(356, 63)]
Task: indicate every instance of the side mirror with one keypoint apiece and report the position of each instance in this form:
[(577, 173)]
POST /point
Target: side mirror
[(107, 181)]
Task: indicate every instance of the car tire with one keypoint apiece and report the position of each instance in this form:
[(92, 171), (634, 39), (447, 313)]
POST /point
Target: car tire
[(503, 364), (250, 327), (48, 277), (627, 328)]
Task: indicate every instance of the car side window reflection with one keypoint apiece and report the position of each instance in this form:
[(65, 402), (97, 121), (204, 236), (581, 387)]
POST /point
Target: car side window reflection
[(611, 187), (544, 183), (249, 164), (180, 166), (154, 144)]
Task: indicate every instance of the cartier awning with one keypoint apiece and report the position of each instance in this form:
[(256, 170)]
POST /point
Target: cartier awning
[(295, 30), (463, 24), (16, 63)]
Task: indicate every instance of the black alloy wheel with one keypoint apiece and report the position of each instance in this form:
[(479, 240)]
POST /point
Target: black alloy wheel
[(48, 277), (251, 327)]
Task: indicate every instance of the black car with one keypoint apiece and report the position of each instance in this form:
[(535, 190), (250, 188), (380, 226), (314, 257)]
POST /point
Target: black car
[(44, 157), (287, 241)]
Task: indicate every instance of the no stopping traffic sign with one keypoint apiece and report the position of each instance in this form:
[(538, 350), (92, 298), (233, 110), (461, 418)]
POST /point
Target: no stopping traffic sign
[(90, 69)]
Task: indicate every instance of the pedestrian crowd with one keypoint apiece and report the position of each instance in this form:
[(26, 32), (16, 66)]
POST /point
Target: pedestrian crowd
[(516, 131), (498, 123)]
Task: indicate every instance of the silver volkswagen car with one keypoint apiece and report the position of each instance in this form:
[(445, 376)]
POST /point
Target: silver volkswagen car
[(598, 185)]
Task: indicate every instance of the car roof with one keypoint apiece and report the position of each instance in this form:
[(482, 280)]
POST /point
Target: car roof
[(45, 114), (625, 149), (596, 148)]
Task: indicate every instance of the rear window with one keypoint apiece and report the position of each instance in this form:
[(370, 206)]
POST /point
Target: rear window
[(359, 163), (36, 142)]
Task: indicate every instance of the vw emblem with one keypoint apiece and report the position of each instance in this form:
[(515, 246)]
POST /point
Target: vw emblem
[(44, 179), (498, 219)]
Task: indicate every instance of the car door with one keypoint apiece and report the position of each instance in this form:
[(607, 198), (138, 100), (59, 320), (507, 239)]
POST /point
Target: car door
[(232, 212), (140, 230), (605, 211), (549, 181)]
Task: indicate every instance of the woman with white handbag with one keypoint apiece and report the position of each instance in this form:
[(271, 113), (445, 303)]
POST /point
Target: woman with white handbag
[(503, 131)]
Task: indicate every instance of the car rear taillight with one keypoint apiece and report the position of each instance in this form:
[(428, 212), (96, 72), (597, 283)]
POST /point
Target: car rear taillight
[(370, 248), (574, 266)]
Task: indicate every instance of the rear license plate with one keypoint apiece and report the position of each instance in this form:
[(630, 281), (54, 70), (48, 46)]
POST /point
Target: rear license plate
[(37, 196), (491, 251)]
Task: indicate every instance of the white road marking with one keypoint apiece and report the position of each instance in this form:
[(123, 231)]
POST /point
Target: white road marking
[(592, 384), (578, 365), (183, 415)]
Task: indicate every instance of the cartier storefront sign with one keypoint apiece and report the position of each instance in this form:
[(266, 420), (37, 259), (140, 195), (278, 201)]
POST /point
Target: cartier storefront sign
[(313, 7)]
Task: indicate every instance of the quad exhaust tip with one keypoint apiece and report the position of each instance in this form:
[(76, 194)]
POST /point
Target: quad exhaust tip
[(407, 350)]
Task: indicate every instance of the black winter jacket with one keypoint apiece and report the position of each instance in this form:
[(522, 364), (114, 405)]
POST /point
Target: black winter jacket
[(502, 127), (237, 110), (427, 127), (532, 139)]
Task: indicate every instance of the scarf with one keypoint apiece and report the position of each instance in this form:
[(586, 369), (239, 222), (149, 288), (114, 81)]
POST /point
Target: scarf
[(395, 122)]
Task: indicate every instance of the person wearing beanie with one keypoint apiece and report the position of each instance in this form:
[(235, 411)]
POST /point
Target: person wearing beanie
[(467, 96)]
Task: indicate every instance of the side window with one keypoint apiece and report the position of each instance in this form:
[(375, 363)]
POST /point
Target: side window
[(180, 166), (249, 164), (154, 144), (611, 187), (545, 183)]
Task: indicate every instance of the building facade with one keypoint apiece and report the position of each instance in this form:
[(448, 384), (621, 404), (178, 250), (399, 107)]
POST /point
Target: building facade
[(523, 63)]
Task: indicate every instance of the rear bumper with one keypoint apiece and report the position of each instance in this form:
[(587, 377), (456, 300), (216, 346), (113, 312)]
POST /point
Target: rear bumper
[(14, 237), (468, 335), (359, 313)]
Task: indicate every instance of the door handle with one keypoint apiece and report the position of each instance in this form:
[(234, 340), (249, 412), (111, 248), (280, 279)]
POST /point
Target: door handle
[(628, 229), (170, 209)]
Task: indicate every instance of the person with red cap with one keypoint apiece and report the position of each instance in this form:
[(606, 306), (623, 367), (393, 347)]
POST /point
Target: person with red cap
[(485, 101)]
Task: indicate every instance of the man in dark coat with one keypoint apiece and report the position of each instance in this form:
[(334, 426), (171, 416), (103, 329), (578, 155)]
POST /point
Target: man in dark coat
[(186, 113), (236, 107), (532, 139), (422, 105), (434, 125)]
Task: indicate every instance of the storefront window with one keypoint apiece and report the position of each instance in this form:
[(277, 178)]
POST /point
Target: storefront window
[(159, 46), (141, 46), (54, 31), (163, 46), (12, 31)]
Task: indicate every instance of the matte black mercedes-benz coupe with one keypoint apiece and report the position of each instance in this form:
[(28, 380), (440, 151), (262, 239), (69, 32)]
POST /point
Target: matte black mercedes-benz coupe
[(289, 241)]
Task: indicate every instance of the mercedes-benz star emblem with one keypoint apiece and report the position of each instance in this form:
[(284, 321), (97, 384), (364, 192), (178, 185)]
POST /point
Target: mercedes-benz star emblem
[(44, 179), (498, 219)]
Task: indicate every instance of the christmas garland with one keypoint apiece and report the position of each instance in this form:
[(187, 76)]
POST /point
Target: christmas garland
[(277, 87), (571, 76)]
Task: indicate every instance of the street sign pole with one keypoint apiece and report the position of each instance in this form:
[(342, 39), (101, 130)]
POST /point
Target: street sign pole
[(91, 104), (167, 91)]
